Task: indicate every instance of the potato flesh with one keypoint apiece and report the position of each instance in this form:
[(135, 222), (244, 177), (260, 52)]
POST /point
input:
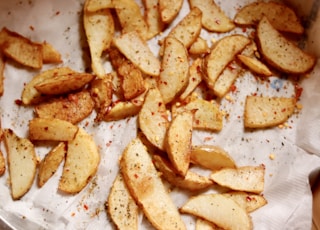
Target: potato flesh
[(146, 187), (22, 163), (81, 163), (263, 112), (122, 207), (50, 163), (280, 52), (169, 9)]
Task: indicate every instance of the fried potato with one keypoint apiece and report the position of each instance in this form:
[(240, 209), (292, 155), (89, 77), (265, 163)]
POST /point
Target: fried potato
[(2, 65), (22, 163), (211, 157), (50, 163), (188, 29), (281, 53), (138, 52), (153, 18), (174, 69), (264, 112), (199, 46), (221, 210), (51, 129), (32, 96), (121, 110), (178, 141), (66, 83), (255, 65), (132, 80), (50, 54), (73, 108), (226, 79), (249, 202), (213, 18), (280, 16), (207, 115), (121, 206), (245, 178), (202, 224), (169, 9), (130, 17), (191, 181), (145, 186), (96, 5), (195, 77), (153, 118), (99, 30), (81, 163), (2, 164), (221, 54), (101, 91), (21, 49)]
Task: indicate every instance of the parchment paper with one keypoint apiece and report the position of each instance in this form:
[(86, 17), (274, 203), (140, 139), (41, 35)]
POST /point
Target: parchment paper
[(287, 187)]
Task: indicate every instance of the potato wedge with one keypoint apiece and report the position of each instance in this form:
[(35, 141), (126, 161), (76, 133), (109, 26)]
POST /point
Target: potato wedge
[(121, 207), (200, 46), (22, 163), (245, 178), (51, 129), (255, 65), (99, 30), (50, 54), (2, 65), (211, 157), (191, 181), (282, 17), (21, 49), (153, 18), (221, 54), (50, 163), (32, 96), (226, 79), (73, 108), (101, 91), (174, 69), (145, 186), (207, 115), (96, 5), (66, 83), (178, 141), (281, 53), (130, 17), (264, 112), (153, 118), (121, 110), (249, 202), (138, 52), (221, 210), (188, 29), (213, 18), (195, 77), (202, 224), (81, 163), (169, 9)]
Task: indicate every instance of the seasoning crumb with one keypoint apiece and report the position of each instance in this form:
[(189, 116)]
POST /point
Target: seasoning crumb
[(272, 156)]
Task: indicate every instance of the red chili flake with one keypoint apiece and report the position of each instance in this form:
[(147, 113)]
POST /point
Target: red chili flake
[(136, 176), (244, 29), (85, 207), (73, 214), (233, 88), (298, 91), (218, 21), (58, 12), (248, 198), (18, 102), (31, 28), (208, 138)]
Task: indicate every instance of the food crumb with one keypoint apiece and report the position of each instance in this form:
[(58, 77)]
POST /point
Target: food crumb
[(272, 156)]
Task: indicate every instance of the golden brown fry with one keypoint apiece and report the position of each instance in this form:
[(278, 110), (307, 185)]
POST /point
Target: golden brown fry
[(50, 54), (200, 46), (50, 163), (169, 9), (21, 49), (153, 18), (96, 5), (121, 110), (73, 108), (2, 65), (22, 163), (81, 163)]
